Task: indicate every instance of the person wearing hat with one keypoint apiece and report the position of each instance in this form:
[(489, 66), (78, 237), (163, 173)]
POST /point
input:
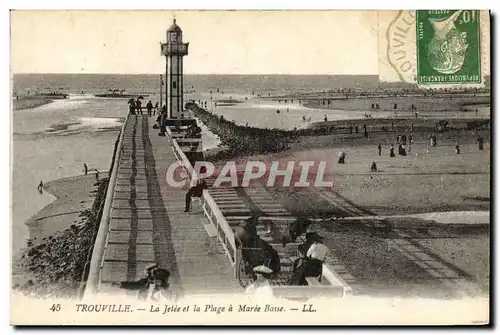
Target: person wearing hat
[(261, 284), (313, 263), (196, 191), (154, 275)]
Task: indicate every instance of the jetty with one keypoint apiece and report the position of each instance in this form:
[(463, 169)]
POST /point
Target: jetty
[(144, 222), (143, 219)]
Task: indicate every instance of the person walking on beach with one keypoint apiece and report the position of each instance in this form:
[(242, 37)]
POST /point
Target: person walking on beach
[(40, 187), (365, 131), (457, 149), (157, 106), (391, 151), (402, 150), (379, 147), (149, 106), (342, 157), (433, 141), (480, 141), (86, 168)]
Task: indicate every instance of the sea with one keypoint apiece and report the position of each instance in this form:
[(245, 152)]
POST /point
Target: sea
[(53, 141)]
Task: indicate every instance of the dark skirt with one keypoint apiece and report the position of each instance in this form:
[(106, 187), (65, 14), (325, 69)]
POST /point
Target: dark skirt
[(309, 268)]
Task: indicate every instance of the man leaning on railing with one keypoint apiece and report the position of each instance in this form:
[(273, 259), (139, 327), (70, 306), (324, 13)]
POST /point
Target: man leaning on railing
[(196, 190)]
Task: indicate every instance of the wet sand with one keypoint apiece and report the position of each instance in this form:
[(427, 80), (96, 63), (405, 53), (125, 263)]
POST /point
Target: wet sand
[(75, 197), (29, 102)]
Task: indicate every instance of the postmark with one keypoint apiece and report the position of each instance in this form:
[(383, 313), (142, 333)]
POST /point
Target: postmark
[(400, 45), (448, 47)]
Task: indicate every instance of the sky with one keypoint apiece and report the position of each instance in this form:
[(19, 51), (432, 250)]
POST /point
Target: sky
[(220, 42)]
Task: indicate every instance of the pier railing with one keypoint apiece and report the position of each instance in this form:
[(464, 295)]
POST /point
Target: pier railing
[(97, 258), (212, 211), (332, 284)]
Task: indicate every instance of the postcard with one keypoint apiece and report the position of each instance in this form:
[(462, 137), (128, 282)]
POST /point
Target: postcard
[(250, 167)]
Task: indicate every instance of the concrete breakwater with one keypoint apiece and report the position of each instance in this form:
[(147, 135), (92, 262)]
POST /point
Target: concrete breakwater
[(241, 140)]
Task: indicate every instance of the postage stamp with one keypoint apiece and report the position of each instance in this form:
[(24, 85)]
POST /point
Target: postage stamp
[(448, 47), (434, 49)]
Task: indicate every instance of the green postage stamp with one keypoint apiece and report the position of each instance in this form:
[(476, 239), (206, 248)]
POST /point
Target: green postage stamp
[(448, 47)]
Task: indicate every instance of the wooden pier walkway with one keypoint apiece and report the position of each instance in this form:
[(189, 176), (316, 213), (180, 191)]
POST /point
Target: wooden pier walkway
[(148, 223)]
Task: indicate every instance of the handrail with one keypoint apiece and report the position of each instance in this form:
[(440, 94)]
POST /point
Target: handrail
[(225, 232), (335, 280), (94, 276), (210, 208)]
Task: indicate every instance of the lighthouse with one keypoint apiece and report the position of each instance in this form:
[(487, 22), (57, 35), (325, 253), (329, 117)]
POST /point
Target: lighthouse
[(174, 50)]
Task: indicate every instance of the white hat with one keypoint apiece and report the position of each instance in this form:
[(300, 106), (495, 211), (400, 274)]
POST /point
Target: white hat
[(262, 269)]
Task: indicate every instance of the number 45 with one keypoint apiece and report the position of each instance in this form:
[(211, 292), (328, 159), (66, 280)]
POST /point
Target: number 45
[(55, 308)]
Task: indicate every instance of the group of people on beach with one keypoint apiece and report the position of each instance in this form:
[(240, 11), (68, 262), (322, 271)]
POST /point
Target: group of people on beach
[(404, 143)]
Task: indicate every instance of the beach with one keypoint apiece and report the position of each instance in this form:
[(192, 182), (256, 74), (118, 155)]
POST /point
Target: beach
[(53, 141), (428, 183), (61, 237)]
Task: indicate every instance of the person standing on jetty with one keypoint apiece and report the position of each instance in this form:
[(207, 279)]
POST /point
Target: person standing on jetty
[(86, 168), (149, 107), (131, 107), (96, 175), (138, 106)]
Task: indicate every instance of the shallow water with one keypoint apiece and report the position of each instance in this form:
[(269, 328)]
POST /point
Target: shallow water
[(87, 129)]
